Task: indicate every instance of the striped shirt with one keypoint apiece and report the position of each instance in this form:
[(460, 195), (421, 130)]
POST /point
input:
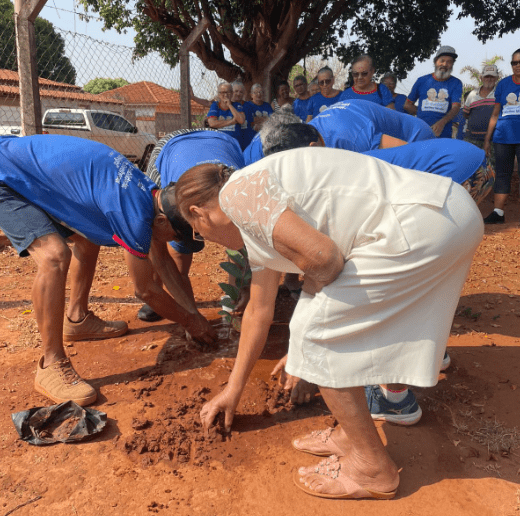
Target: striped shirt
[(478, 109)]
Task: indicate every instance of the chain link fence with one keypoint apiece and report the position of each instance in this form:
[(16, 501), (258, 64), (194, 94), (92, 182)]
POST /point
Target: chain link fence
[(141, 106)]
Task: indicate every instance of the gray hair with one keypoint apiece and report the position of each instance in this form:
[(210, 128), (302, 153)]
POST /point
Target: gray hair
[(225, 83), (325, 69), (284, 130), (389, 75), (256, 86), (238, 82), (363, 57)]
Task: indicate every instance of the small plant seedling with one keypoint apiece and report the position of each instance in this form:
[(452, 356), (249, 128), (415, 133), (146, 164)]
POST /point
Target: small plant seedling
[(239, 269)]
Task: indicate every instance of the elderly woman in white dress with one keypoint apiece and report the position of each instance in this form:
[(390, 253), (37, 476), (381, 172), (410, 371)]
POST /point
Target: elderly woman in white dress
[(384, 252)]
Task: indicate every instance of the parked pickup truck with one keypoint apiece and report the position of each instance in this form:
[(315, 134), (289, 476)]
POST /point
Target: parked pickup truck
[(104, 127)]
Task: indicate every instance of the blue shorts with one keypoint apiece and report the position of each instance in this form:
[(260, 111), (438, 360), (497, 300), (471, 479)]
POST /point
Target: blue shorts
[(23, 222)]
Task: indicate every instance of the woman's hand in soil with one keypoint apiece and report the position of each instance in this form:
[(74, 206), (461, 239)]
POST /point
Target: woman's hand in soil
[(301, 390), (200, 329), (226, 402)]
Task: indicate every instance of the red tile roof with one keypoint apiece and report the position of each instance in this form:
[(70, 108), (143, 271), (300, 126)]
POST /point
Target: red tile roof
[(51, 89), (165, 100), (9, 76)]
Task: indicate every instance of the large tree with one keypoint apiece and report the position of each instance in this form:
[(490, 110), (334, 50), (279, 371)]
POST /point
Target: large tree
[(53, 64), (245, 38)]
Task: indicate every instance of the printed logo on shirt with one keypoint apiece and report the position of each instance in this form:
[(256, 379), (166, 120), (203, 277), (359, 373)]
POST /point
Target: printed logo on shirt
[(323, 108), (436, 101), (228, 127), (513, 105), (261, 113)]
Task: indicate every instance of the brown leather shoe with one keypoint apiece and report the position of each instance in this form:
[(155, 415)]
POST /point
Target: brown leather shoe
[(60, 382), (92, 327)]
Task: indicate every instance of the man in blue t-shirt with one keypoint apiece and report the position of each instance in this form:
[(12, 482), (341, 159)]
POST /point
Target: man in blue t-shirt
[(225, 115), (173, 155), (54, 188), (439, 94)]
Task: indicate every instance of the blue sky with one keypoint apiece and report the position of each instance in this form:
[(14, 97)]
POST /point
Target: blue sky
[(459, 35)]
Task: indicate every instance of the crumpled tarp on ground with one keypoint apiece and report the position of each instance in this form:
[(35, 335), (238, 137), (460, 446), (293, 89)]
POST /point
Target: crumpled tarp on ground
[(65, 423)]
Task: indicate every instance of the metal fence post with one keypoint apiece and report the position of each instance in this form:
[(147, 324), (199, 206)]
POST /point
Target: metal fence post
[(184, 54), (26, 12)]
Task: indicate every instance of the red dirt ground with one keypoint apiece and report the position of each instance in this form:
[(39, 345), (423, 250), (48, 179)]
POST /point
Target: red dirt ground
[(463, 458)]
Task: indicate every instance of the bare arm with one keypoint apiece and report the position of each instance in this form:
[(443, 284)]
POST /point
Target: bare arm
[(151, 292), (491, 127), (309, 118), (391, 105), (387, 142), (257, 319), (239, 117), (410, 107), (314, 253), (438, 126), (198, 100), (215, 123)]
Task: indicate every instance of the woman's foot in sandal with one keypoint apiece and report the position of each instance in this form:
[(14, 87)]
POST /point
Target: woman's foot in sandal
[(336, 478), (320, 442)]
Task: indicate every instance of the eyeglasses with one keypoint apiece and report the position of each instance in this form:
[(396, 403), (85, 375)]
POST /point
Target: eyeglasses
[(225, 92), (325, 82), (359, 74), (197, 237), (515, 63)]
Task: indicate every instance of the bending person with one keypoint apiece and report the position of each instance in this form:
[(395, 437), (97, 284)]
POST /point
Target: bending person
[(408, 232), (356, 125), (172, 156), (55, 188)]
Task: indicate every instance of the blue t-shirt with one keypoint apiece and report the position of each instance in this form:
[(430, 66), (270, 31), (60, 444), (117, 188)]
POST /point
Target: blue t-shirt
[(399, 102), (84, 185), (234, 130), (301, 108), (248, 132), (436, 98), (381, 95), (254, 151), (196, 148), (456, 159), (317, 103), (358, 125), (507, 94)]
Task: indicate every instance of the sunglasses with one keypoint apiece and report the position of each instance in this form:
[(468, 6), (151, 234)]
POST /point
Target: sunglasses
[(515, 63), (197, 237), (359, 74), (325, 82)]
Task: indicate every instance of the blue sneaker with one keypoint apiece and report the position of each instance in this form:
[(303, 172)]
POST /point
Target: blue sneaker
[(406, 412), (446, 361)]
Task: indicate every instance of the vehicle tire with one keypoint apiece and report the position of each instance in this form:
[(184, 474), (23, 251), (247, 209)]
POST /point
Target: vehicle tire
[(143, 162)]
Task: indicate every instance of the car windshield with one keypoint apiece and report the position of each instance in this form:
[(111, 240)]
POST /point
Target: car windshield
[(112, 122), (69, 119)]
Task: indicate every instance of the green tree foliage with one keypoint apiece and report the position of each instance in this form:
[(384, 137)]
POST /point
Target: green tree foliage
[(245, 38), (101, 84), (53, 64)]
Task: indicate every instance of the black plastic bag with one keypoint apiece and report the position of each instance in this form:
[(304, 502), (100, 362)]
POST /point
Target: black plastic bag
[(65, 423)]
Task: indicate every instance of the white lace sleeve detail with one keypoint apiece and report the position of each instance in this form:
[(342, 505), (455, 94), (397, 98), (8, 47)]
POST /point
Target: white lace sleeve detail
[(254, 203)]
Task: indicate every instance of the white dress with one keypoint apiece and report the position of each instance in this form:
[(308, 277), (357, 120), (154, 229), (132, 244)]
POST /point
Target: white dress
[(408, 239)]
